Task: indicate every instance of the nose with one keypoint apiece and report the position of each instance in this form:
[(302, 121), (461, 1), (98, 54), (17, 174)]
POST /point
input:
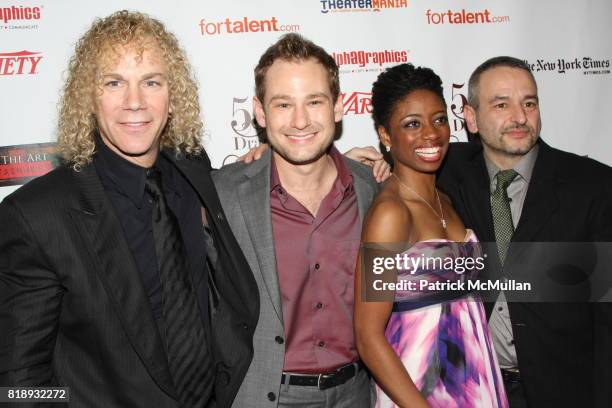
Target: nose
[(134, 98), (300, 118), (429, 131), (518, 114)]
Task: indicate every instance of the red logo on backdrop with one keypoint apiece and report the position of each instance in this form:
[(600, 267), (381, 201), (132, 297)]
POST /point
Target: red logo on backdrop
[(19, 63), (22, 163), (464, 17), (357, 103), (244, 25), (368, 61), (14, 17)]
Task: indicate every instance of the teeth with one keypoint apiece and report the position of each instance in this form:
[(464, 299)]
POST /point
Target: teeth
[(427, 150)]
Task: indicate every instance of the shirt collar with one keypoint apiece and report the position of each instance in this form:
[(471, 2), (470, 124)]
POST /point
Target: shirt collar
[(128, 178), (524, 167), (344, 180)]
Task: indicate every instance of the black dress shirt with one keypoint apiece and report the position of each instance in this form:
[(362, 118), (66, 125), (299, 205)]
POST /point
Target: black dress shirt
[(124, 184)]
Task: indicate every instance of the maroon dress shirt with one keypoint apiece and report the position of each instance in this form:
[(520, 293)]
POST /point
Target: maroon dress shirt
[(315, 260)]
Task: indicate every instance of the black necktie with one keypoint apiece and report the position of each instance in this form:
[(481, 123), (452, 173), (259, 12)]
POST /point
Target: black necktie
[(188, 356)]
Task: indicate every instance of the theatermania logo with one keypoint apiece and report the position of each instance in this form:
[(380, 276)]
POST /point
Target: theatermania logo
[(344, 6)]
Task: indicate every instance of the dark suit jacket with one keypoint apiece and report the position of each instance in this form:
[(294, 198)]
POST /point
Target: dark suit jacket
[(73, 311), (563, 349)]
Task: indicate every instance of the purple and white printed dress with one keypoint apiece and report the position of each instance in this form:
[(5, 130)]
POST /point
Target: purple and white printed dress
[(445, 345)]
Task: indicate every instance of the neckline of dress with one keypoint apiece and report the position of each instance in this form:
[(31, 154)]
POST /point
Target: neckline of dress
[(467, 234)]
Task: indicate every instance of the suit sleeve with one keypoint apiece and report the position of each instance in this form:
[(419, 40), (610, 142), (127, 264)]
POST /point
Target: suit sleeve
[(30, 300), (601, 229)]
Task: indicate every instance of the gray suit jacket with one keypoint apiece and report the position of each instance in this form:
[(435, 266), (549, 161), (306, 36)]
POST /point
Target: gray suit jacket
[(244, 191)]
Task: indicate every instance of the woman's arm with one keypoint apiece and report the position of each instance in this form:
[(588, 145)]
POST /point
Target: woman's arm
[(388, 221)]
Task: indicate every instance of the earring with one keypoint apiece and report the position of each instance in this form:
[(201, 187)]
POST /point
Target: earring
[(388, 148)]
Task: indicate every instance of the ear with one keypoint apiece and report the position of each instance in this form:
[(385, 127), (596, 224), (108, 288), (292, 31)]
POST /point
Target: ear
[(469, 113), (384, 137), (338, 109), (260, 114)]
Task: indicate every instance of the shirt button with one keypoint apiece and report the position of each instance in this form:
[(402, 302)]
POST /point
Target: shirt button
[(245, 326), (271, 396), (317, 266), (279, 339), (319, 305), (500, 308), (321, 344), (220, 216)]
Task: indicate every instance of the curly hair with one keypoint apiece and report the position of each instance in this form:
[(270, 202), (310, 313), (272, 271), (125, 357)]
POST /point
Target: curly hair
[(100, 46), (395, 83), (294, 47)]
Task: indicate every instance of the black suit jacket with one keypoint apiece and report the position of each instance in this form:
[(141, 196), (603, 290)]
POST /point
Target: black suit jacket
[(563, 349), (73, 311)]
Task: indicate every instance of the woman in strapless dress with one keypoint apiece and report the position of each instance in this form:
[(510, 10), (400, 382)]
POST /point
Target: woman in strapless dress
[(426, 348)]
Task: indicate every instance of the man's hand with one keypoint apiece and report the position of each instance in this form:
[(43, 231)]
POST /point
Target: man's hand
[(255, 153), (371, 157)]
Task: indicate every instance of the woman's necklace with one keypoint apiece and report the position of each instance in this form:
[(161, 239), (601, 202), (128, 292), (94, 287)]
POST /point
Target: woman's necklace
[(441, 216)]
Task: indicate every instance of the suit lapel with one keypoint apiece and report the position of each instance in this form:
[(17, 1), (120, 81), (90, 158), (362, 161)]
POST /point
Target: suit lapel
[(254, 200), (115, 266), (475, 198), (541, 200), (363, 190)]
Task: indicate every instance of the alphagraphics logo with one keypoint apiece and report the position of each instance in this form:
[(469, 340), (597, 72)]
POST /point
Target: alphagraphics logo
[(14, 17), (343, 6), (464, 17), (368, 61), (19, 63), (588, 65), (245, 25)]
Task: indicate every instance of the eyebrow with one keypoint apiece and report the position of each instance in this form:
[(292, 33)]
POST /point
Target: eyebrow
[(505, 98), (418, 115), (146, 76), (310, 96)]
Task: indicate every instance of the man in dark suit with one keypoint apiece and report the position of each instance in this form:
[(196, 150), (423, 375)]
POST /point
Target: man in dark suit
[(512, 188), (119, 275)]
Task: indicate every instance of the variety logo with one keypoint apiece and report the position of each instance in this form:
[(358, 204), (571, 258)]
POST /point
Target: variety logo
[(244, 25), (352, 61), (338, 6), (19, 63), (464, 17), (357, 103), (19, 164), (588, 65), (14, 17)]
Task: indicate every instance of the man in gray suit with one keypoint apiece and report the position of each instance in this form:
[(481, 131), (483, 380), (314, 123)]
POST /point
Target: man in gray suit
[(297, 216)]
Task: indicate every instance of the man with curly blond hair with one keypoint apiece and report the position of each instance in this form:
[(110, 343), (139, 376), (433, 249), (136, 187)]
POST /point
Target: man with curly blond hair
[(120, 277)]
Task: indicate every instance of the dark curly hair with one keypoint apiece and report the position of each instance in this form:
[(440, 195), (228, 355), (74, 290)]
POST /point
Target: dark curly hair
[(395, 83)]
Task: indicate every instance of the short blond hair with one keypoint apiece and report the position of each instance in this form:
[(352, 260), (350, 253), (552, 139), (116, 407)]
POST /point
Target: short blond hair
[(77, 126)]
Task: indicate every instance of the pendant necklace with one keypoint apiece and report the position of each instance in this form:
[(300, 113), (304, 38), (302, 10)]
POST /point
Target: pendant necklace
[(441, 216)]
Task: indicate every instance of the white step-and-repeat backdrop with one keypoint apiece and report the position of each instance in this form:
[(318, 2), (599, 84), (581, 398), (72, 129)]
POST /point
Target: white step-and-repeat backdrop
[(568, 44)]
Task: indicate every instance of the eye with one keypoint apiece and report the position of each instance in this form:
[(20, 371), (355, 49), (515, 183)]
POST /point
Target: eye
[(442, 120), (113, 83), (315, 102), (501, 105), (412, 124), (531, 104), (282, 105), (152, 83)]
